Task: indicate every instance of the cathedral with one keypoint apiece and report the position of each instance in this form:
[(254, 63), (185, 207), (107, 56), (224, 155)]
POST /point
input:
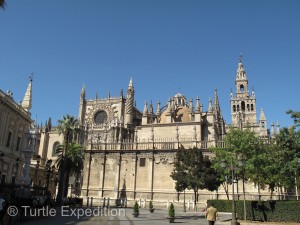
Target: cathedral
[(129, 153)]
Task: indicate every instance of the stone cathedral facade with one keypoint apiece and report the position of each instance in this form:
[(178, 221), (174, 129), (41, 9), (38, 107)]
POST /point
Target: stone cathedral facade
[(130, 153)]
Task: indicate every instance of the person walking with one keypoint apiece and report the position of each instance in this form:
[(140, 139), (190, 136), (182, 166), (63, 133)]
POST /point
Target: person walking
[(211, 214)]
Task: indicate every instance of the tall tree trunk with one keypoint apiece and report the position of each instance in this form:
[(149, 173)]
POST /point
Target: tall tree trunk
[(62, 177), (66, 179), (195, 199), (226, 190), (244, 194)]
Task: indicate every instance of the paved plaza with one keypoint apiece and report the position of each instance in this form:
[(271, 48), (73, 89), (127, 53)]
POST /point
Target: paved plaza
[(123, 216)]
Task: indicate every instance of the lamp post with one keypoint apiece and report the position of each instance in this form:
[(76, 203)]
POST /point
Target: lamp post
[(48, 171), (37, 166), (16, 175), (233, 171)]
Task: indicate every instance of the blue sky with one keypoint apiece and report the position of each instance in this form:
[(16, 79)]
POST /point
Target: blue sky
[(166, 46)]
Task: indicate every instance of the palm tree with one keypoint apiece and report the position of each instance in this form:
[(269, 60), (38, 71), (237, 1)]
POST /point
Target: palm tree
[(2, 3), (68, 127), (71, 162)]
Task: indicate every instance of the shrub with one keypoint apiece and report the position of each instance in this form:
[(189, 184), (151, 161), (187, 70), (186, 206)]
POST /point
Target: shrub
[(275, 211), (150, 205), (171, 211), (136, 207)]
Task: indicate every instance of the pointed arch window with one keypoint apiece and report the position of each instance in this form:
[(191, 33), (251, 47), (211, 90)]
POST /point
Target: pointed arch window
[(54, 149)]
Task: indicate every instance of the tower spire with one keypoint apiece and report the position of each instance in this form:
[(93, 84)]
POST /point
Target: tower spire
[(216, 100), (210, 108), (82, 92), (145, 111), (158, 108), (129, 103), (241, 73), (198, 107), (27, 101)]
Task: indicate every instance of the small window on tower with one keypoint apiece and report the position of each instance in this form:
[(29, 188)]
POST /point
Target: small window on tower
[(263, 125), (251, 107), (142, 162), (242, 88), (234, 108), (248, 107), (238, 108)]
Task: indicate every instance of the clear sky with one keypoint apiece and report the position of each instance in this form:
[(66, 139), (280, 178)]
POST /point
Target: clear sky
[(166, 46)]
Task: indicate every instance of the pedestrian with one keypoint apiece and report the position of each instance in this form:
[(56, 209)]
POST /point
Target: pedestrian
[(211, 214)]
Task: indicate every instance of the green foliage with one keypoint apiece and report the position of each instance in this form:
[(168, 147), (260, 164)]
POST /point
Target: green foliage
[(150, 205), (171, 210), (194, 171), (136, 207), (287, 149), (295, 116), (273, 211), (74, 158), (260, 159)]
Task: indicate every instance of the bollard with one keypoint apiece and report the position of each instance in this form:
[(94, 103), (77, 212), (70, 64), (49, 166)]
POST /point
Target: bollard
[(145, 203), (189, 202), (104, 200), (168, 204), (108, 199), (140, 203), (91, 204)]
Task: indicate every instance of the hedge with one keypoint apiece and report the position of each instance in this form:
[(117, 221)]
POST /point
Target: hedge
[(275, 211)]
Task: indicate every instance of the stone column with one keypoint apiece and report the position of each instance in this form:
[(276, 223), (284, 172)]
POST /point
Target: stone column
[(150, 176), (28, 149), (134, 174), (117, 181), (102, 175)]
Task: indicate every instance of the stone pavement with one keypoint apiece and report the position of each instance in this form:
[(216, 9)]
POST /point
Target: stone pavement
[(159, 217)]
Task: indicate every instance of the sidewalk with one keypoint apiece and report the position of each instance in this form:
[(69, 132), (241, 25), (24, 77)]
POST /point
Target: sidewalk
[(160, 217)]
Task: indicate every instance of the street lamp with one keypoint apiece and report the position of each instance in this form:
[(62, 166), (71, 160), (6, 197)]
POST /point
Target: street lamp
[(233, 170), (37, 166), (48, 171)]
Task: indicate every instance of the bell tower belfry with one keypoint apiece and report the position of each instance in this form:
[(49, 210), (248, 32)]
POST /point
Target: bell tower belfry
[(243, 105)]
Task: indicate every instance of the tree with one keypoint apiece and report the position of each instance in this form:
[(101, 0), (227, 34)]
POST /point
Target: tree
[(288, 149), (194, 171), (73, 160), (240, 144), (295, 116), (68, 126)]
